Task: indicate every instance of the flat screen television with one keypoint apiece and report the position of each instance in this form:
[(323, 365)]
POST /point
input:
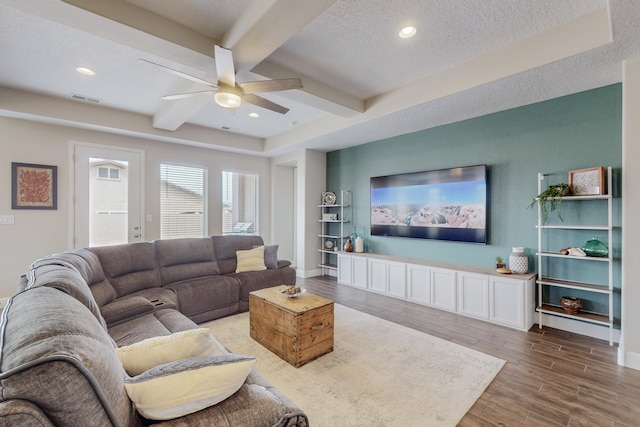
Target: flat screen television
[(446, 204)]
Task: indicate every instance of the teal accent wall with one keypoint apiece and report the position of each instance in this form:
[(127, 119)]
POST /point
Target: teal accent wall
[(572, 132)]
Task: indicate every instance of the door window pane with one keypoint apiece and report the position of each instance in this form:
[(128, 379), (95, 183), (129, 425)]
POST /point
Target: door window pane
[(239, 203), (182, 201), (108, 202)]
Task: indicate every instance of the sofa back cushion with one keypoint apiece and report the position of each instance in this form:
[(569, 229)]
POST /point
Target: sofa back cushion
[(55, 273), (55, 354), (184, 259), (88, 264), (130, 267), (226, 247)]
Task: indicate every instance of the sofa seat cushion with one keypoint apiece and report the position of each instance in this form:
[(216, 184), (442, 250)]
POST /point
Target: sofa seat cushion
[(185, 386), (207, 298), (130, 267), (146, 354), (154, 324)]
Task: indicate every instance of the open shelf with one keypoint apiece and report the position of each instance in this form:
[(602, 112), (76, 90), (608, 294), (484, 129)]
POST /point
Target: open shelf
[(596, 318), (333, 229), (549, 263), (569, 284)]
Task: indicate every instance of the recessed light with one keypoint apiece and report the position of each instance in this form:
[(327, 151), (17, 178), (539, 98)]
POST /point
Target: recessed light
[(86, 71), (254, 115), (407, 32)]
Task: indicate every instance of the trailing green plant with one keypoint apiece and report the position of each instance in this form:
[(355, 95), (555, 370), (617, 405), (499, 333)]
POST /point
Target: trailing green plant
[(550, 199)]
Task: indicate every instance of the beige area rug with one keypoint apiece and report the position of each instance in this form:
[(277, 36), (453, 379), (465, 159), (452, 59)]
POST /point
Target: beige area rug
[(379, 374)]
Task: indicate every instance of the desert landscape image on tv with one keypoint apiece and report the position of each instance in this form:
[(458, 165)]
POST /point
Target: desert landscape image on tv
[(454, 204)]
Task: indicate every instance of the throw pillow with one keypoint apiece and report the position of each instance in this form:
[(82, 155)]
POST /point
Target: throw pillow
[(179, 388), (146, 354), (270, 256), (250, 260)]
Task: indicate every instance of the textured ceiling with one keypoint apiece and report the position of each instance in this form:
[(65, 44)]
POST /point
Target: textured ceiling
[(361, 81)]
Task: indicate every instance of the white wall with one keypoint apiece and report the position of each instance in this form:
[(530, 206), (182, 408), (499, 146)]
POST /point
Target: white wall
[(629, 350), (39, 233), (309, 167)]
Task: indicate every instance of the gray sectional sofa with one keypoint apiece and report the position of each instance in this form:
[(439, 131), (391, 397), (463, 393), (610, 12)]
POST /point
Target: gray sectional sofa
[(59, 333)]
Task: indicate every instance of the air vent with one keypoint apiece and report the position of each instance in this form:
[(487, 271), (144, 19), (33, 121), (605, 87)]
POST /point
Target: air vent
[(85, 98)]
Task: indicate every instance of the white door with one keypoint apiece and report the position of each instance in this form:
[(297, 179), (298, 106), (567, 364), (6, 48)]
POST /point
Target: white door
[(107, 196)]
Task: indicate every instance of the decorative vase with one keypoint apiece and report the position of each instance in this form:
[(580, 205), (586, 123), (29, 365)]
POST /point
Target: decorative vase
[(571, 305), (518, 260), (359, 244), (348, 247), (354, 236), (595, 247)]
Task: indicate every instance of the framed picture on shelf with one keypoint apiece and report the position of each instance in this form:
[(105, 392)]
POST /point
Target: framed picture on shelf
[(34, 186), (587, 182)]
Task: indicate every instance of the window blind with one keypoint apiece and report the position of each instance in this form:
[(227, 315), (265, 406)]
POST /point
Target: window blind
[(182, 201)]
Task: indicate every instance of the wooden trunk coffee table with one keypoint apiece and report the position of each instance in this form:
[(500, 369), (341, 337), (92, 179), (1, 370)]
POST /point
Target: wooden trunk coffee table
[(297, 329)]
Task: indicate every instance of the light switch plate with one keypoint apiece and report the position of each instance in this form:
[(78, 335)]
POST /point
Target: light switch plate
[(6, 219)]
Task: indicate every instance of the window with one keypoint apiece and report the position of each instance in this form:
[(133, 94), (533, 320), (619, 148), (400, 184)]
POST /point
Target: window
[(182, 202), (239, 203), (109, 173)]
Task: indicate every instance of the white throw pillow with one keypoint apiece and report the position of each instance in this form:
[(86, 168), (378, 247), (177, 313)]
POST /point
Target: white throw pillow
[(146, 354), (250, 260), (179, 388)]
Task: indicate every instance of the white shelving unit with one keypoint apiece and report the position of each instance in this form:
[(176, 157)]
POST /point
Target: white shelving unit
[(545, 257), (333, 230)]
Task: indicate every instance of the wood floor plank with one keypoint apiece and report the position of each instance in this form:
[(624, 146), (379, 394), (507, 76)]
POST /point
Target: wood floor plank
[(551, 377)]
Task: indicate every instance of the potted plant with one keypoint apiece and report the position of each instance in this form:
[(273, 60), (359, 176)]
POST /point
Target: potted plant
[(550, 200), (500, 262)]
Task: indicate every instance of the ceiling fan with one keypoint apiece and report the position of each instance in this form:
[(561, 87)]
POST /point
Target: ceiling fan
[(228, 93)]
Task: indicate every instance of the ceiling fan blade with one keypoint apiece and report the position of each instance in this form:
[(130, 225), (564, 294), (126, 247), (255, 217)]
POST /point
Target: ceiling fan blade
[(224, 65), (181, 74), (264, 103), (271, 85), (185, 95)]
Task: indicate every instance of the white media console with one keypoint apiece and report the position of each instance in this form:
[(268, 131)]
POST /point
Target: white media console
[(482, 293)]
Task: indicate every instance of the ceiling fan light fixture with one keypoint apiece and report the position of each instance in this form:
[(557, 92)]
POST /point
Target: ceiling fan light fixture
[(227, 99)]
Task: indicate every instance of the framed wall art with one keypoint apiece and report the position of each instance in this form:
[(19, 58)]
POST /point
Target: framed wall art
[(587, 182), (34, 186)]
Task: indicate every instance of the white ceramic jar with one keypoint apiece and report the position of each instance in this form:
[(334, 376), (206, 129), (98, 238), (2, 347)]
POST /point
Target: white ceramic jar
[(518, 260)]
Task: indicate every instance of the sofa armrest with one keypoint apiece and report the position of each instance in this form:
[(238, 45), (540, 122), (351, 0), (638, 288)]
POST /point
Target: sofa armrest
[(126, 308), (283, 263)]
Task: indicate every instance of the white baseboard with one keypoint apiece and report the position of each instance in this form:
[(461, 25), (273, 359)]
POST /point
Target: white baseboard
[(314, 273), (629, 359), (582, 328), (308, 273)]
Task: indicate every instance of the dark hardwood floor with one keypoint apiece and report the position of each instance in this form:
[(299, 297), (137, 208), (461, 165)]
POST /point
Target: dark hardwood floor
[(551, 378)]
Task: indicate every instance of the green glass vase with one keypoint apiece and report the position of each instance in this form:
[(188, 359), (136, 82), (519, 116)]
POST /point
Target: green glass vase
[(595, 247)]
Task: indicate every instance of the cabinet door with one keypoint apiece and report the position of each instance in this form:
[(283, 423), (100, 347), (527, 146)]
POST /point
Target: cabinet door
[(419, 283), (507, 302), (377, 275), (344, 269), (359, 271), (443, 289), (396, 279), (473, 295)]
